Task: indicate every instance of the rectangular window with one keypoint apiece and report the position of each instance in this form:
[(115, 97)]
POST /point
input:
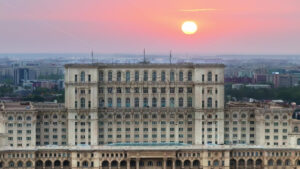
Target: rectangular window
[(145, 90), (136, 76), (172, 89), (163, 90)]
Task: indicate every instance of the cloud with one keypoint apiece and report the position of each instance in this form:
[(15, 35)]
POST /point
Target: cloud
[(198, 10)]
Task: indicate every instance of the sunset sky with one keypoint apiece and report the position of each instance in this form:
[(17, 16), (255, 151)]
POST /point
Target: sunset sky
[(128, 26)]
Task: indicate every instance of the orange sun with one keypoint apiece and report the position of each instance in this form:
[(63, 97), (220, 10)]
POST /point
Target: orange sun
[(189, 27)]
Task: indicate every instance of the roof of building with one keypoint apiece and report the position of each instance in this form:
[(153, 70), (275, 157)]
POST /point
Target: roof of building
[(151, 148), (23, 106), (142, 65)]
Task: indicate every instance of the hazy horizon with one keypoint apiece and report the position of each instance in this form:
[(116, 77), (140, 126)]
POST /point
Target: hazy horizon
[(235, 27)]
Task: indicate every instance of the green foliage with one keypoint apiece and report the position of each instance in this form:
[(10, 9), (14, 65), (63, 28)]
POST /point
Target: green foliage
[(291, 94), (50, 77), (6, 90)]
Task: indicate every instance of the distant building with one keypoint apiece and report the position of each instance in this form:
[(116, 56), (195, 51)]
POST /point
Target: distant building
[(23, 74), (280, 80)]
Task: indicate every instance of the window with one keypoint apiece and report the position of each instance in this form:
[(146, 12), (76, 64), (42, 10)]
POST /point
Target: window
[(136, 102), (180, 90), (298, 141), (109, 102), (216, 78), (203, 77), (172, 89), (154, 76), (180, 102), (145, 89), (163, 90), (209, 102), (89, 78), (89, 104), (190, 76), (181, 76), (163, 102), (109, 77), (82, 76), (145, 75), (145, 102), (127, 102), (136, 76), (119, 76), (75, 78), (119, 102), (75, 104), (209, 76), (136, 90), (154, 102), (101, 76), (190, 102), (172, 102), (163, 76), (154, 90), (119, 90), (172, 76), (127, 76), (216, 104), (189, 90), (82, 102)]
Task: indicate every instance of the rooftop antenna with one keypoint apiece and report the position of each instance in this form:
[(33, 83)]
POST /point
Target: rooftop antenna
[(92, 55), (144, 56), (170, 57)]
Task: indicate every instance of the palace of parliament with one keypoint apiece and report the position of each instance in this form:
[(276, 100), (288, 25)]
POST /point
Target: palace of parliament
[(148, 116)]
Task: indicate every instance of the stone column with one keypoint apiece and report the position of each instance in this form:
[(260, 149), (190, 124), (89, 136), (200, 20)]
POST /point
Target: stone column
[(128, 164), (100, 165), (164, 163), (137, 163), (109, 165), (173, 163)]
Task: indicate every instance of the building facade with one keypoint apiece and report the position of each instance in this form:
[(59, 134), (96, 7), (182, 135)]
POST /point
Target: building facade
[(168, 116)]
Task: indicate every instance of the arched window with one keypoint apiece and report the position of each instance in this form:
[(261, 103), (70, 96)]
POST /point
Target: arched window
[(109, 102), (28, 118), (276, 117), (85, 164), (10, 118), (82, 102), (127, 76), (119, 102), (154, 76), (119, 76), (172, 76), (243, 116), (295, 129), (154, 102), (163, 102), (109, 77), (190, 76), (172, 102), (209, 102), (119, 116), (136, 102), (163, 76), (11, 164), (82, 76), (209, 76), (101, 76), (150, 163), (20, 164), (127, 102), (190, 102), (278, 163), (216, 163), (267, 117), (180, 102), (145, 102), (270, 163), (54, 116), (19, 117), (181, 76), (28, 164)]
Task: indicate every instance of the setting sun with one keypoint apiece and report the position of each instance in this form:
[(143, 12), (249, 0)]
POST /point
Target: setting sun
[(189, 27)]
